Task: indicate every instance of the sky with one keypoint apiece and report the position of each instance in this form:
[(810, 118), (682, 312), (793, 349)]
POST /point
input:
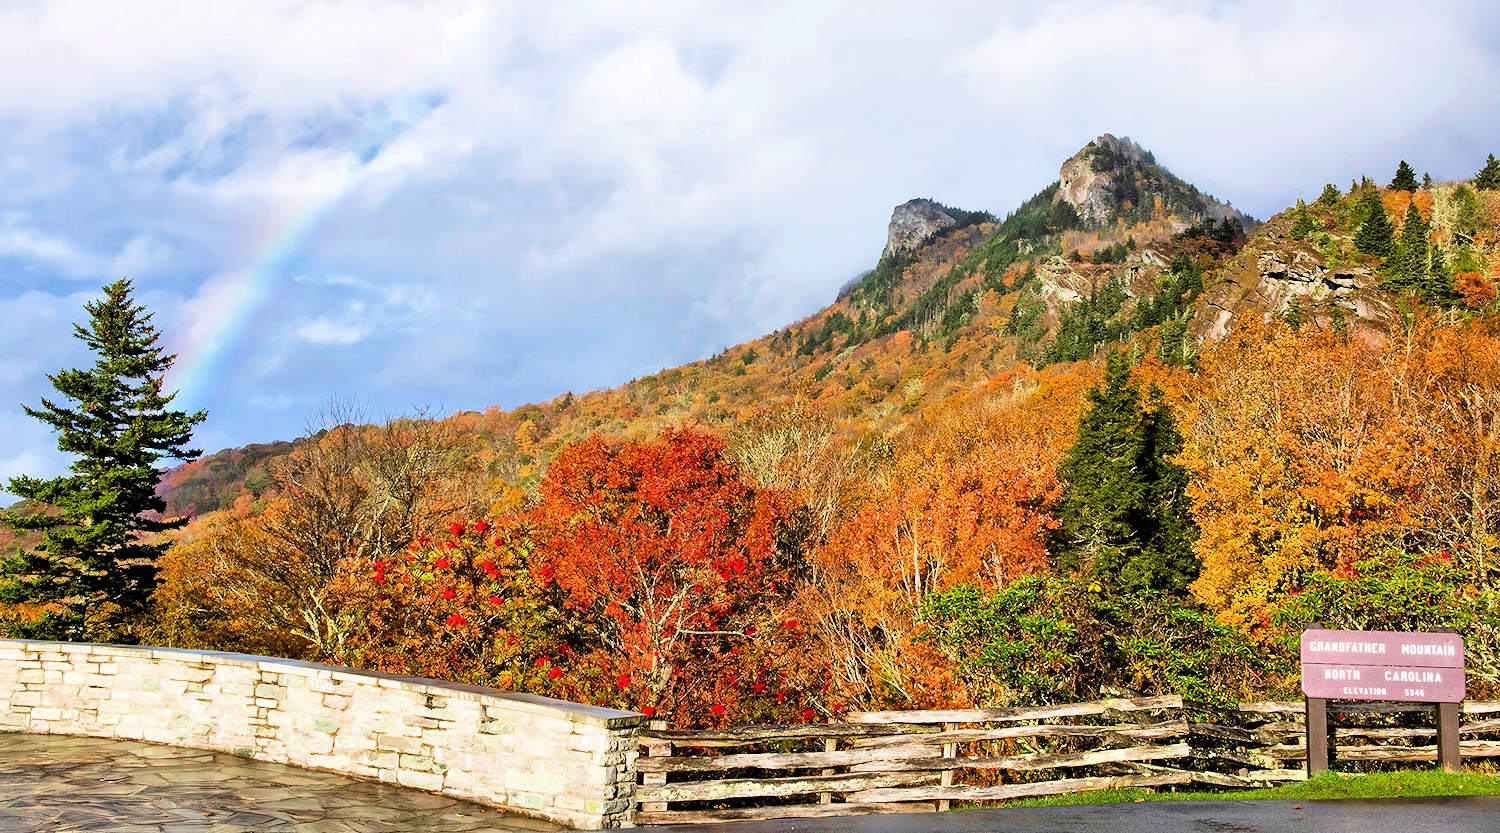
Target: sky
[(450, 205)]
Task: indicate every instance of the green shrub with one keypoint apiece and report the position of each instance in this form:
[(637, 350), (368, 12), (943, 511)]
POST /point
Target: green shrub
[(1056, 638)]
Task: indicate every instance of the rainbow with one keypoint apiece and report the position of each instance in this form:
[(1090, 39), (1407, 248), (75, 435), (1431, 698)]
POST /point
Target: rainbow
[(229, 303)]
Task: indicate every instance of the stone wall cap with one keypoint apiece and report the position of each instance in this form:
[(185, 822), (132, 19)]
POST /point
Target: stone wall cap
[(534, 703)]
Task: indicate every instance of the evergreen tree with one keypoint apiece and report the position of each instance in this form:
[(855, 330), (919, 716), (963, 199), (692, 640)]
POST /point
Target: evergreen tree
[(1438, 286), (1124, 505), (1227, 231), (1375, 235), (1488, 178), (95, 567), (1167, 530), (1330, 196), (1304, 224), (1407, 269), (1405, 178), (1426, 181)]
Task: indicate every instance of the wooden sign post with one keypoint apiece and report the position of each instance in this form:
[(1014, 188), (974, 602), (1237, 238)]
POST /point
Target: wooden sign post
[(1382, 665)]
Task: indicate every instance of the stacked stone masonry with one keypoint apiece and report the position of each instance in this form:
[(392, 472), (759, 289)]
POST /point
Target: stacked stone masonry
[(552, 759)]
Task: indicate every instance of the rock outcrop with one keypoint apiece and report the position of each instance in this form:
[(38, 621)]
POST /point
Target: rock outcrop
[(914, 222), (1112, 177), (1286, 277)]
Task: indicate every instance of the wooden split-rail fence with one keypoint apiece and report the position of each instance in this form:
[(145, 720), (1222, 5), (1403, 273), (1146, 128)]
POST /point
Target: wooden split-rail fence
[(920, 761)]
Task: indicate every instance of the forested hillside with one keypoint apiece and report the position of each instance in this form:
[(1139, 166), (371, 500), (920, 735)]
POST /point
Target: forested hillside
[(1121, 439)]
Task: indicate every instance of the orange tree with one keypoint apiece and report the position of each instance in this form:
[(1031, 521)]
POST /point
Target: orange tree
[(965, 501), (678, 569)]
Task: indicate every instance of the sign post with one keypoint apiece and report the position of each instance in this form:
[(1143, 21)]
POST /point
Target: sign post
[(1382, 665)]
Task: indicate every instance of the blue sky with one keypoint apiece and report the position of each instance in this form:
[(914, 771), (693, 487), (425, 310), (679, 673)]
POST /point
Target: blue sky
[(451, 205)]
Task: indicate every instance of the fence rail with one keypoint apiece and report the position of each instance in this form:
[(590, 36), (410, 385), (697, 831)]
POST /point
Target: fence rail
[(919, 761)]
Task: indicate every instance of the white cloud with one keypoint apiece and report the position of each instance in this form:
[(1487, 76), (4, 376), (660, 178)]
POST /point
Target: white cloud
[(329, 331), (40, 248), (304, 55)]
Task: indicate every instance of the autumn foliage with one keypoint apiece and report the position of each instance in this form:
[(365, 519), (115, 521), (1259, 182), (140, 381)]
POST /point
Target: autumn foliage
[(682, 567), (880, 506)]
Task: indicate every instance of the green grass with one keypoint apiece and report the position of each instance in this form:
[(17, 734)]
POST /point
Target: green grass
[(1406, 783)]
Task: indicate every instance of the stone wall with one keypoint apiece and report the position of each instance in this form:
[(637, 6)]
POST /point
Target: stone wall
[(548, 758)]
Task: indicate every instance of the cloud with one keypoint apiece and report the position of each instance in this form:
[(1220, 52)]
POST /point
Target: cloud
[(328, 331), (46, 250), (478, 202)]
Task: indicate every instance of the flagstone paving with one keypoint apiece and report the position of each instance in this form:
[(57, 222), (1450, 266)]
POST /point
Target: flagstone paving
[(57, 783)]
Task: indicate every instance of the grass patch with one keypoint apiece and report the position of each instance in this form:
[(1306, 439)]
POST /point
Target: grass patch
[(1403, 784)]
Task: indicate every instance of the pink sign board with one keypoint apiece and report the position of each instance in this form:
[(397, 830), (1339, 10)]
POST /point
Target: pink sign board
[(1383, 665)]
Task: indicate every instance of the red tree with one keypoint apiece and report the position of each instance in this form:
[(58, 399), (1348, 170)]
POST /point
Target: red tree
[(680, 567)]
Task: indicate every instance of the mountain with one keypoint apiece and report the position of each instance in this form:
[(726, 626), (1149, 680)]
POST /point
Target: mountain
[(913, 223), (1115, 180), (1117, 249)]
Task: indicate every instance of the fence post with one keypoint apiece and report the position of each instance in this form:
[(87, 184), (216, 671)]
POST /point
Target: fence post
[(1449, 756), (1317, 735), (829, 745), (950, 750), (655, 749)]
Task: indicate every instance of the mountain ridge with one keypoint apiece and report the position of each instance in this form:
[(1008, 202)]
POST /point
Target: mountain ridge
[(957, 300)]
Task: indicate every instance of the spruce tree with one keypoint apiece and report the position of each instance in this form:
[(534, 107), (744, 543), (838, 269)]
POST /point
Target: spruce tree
[(1426, 181), (1375, 235), (1304, 224), (1167, 530), (1438, 286), (1330, 196), (96, 565), (1124, 505), (1488, 178), (1405, 178), (1407, 269), (1227, 231)]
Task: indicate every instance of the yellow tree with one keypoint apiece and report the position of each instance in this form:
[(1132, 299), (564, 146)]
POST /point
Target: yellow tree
[(1301, 461)]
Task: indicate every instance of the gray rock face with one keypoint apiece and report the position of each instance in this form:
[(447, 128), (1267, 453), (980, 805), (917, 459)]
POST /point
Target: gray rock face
[(912, 222), (1091, 192), (1110, 176), (1272, 281), (1304, 274)]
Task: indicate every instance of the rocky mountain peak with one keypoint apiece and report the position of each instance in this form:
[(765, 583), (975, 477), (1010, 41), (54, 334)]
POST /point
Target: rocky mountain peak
[(1113, 178), (913, 222)]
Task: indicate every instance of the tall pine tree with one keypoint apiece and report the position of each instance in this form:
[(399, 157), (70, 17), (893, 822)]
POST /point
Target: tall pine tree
[(1375, 235), (1407, 269), (96, 565), (1438, 287), (1124, 508), (1405, 178), (1488, 178)]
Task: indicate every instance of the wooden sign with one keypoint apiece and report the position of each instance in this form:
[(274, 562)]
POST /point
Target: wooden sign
[(1383, 665)]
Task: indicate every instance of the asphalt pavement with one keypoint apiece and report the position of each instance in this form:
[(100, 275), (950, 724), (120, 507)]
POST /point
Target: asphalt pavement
[(1460, 814)]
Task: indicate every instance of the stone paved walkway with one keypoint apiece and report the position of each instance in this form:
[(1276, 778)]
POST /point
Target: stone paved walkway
[(56, 783)]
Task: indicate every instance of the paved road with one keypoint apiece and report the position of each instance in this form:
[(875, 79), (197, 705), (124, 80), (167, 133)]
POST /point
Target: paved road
[(1470, 814), (51, 783)]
